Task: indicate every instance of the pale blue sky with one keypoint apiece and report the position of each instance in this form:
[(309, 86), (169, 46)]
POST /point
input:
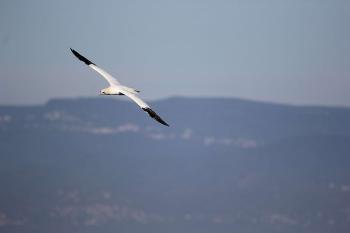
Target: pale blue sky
[(291, 51)]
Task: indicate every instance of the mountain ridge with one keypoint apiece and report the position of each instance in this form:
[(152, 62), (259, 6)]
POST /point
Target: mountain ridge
[(232, 98), (102, 165)]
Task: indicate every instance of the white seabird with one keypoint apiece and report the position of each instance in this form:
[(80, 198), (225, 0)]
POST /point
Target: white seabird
[(115, 88)]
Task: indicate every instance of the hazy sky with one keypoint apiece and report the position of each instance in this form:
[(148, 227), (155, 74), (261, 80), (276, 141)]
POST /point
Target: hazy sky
[(293, 51)]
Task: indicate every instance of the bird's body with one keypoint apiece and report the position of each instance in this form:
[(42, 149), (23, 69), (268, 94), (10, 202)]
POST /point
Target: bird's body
[(115, 88), (112, 90)]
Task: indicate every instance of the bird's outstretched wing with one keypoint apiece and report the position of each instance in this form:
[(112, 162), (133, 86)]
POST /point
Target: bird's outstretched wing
[(145, 107), (110, 79)]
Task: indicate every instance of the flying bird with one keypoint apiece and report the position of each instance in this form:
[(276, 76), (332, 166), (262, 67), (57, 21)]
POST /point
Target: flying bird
[(115, 88)]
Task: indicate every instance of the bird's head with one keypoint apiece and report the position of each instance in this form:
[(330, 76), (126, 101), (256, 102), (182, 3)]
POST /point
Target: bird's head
[(103, 92)]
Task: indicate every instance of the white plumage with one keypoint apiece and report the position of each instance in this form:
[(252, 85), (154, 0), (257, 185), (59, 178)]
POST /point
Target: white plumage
[(115, 88)]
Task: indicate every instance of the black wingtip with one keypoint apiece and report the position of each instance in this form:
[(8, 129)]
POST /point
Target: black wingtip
[(81, 58), (155, 116)]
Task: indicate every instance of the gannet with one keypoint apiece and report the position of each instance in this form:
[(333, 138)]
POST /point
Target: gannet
[(115, 88)]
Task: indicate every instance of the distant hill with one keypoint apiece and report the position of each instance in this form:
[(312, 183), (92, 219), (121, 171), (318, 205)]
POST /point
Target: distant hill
[(224, 165)]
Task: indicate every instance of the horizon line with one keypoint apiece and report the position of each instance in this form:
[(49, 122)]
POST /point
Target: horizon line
[(180, 97)]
